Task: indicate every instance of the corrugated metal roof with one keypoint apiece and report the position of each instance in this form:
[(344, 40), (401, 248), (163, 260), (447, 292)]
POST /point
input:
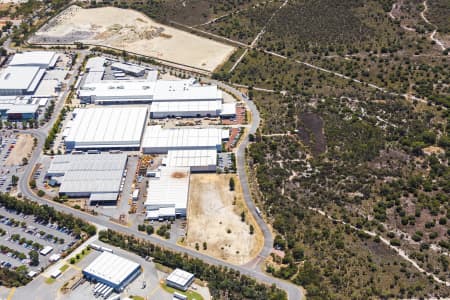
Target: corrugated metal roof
[(191, 158), (170, 190), (187, 106), (172, 138), (112, 268), (108, 126)]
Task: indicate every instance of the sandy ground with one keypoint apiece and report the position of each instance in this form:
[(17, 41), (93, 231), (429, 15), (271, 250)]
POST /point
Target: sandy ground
[(133, 31), (212, 213), (23, 148)]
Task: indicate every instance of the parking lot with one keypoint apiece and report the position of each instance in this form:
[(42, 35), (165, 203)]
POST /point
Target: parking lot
[(23, 234), (8, 142), (225, 161)]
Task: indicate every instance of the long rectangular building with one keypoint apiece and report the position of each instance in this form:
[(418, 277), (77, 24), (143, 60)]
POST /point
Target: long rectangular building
[(185, 109), (41, 59), (147, 90), (83, 175), (199, 160), (161, 140), (20, 80), (106, 128)]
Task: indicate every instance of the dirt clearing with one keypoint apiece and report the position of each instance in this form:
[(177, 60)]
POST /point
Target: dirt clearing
[(214, 217), (22, 149), (132, 31)]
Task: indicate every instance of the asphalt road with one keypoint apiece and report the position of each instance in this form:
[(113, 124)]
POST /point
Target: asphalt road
[(255, 271)]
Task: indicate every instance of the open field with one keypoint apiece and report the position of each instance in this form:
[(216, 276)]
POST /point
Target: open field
[(132, 31), (22, 149), (214, 219)]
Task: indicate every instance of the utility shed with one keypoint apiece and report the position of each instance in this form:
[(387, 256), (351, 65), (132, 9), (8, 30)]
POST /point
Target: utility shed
[(170, 190), (161, 140), (180, 279), (89, 175), (106, 128), (112, 270), (41, 59)]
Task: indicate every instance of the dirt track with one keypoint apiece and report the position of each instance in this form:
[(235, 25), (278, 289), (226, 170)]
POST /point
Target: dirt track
[(214, 219)]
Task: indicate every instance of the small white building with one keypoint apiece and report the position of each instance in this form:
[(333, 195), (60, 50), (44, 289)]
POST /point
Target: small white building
[(180, 279)]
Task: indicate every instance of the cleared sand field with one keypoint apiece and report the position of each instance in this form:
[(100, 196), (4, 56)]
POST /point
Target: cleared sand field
[(22, 149), (132, 31), (214, 217)]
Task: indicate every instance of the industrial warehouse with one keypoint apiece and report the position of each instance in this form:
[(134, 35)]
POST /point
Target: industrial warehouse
[(111, 273), (97, 176), (161, 140), (169, 98), (167, 195), (106, 128), (27, 83)]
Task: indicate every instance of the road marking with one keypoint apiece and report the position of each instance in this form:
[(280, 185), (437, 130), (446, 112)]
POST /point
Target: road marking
[(11, 293), (153, 291)]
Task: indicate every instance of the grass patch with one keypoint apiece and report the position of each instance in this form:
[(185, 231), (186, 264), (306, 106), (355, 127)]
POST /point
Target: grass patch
[(64, 268), (137, 298), (50, 280), (80, 256), (162, 268), (190, 294)]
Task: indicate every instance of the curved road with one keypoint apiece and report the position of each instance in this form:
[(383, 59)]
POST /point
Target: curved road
[(293, 291)]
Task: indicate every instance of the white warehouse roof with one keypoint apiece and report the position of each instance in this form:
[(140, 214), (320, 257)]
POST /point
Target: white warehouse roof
[(177, 90), (107, 127), (170, 190), (43, 59), (111, 268), (88, 173), (191, 158), (21, 78), (186, 106), (129, 68), (159, 140), (180, 277)]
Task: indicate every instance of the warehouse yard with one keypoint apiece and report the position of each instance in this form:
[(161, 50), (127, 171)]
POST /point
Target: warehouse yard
[(132, 31), (214, 216)]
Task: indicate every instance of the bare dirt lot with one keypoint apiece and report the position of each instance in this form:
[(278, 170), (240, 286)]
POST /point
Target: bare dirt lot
[(132, 31), (214, 217), (22, 149)]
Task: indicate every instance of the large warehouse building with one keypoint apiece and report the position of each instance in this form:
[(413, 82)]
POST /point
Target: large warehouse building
[(106, 128), (185, 109), (200, 160), (111, 272), (146, 91), (41, 59), (98, 176), (20, 80), (160, 140), (167, 196)]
